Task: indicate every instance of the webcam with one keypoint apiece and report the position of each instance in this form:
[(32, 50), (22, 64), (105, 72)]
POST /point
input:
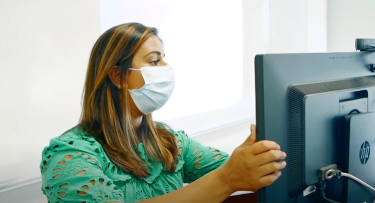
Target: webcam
[(365, 44)]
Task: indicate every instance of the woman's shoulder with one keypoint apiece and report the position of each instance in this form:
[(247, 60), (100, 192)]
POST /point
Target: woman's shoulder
[(73, 141), (72, 137), (175, 133)]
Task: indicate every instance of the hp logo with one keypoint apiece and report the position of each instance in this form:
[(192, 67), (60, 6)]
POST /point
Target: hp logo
[(364, 152)]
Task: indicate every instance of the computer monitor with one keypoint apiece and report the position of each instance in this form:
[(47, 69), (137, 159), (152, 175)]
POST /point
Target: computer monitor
[(319, 108)]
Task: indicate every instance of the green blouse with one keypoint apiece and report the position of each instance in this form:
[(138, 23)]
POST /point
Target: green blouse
[(75, 168)]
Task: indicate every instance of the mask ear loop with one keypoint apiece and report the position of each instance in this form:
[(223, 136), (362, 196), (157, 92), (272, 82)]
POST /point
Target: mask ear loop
[(126, 79)]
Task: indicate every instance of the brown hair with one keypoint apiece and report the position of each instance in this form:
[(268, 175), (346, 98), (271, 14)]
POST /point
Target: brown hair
[(107, 119)]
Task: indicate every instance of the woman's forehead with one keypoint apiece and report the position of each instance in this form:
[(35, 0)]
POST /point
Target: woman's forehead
[(152, 44)]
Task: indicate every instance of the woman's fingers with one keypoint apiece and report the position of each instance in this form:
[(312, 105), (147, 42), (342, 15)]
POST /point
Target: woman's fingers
[(269, 179), (263, 146), (270, 156), (271, 167)]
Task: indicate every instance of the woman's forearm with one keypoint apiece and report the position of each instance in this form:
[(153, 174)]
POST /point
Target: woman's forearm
[(210, 188)]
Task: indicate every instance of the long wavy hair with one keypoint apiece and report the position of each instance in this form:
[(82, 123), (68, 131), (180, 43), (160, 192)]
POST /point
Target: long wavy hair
[(106, 108)]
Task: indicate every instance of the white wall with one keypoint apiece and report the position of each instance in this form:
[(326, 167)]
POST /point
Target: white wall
[(298, 26), (44, 47), (348, 20)]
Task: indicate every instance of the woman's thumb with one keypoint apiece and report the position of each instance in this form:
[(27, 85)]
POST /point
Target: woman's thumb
[(252, 138)]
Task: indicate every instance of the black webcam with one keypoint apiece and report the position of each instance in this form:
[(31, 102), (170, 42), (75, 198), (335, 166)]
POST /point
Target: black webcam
[(365, 44)]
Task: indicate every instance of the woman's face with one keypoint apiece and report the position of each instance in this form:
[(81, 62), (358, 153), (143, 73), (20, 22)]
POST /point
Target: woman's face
[(151, 53)]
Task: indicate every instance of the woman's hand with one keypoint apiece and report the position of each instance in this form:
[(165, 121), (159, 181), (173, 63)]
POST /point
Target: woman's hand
[(253, 164)]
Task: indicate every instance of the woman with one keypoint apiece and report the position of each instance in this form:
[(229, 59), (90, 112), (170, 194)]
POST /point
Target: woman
[(117, 153)]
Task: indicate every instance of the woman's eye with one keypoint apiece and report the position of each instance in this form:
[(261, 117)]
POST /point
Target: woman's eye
[(155, 63)]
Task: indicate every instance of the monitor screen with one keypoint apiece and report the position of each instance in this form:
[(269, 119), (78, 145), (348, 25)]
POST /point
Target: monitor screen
[(319, 108)]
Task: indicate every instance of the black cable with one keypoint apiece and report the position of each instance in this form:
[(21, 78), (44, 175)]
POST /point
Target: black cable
[(296, 198), (329, 200), (321, 186)]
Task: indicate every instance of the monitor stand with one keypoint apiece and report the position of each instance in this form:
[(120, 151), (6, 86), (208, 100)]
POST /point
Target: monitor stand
[(359, 153)]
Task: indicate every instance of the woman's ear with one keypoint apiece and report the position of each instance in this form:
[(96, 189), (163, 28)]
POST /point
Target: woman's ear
[(115, 76)]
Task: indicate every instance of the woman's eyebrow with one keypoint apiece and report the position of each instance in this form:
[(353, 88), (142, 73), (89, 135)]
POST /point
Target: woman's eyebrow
[(154, 52)]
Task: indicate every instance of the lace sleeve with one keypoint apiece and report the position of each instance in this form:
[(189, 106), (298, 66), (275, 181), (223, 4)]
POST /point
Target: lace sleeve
[(199, 159), (72, 171)]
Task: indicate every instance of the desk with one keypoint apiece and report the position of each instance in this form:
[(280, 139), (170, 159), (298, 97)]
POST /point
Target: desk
[(242, 198)]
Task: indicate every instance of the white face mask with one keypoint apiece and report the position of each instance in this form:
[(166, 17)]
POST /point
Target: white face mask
[(158, 88)]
